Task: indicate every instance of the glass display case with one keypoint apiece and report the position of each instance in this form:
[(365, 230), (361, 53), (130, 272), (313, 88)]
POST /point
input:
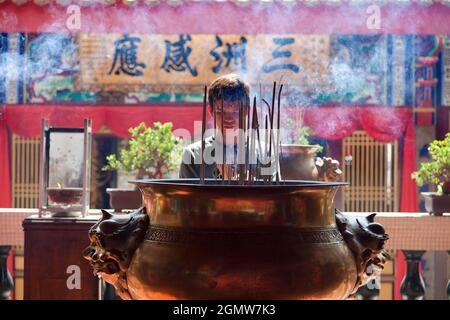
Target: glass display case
[(65, 170)]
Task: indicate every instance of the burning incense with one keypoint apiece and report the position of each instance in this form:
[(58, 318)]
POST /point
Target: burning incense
[(266, 142), (247, 144), (253, 153), (240, 143), (272, 113), (277, 153), (202, 164), (224, 151)]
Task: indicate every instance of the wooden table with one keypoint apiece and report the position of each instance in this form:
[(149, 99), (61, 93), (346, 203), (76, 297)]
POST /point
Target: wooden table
[(54, 266)]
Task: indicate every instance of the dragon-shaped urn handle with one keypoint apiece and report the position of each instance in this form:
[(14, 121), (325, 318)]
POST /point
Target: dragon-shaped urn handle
[(366, 239), (114, 238), (328, 169)]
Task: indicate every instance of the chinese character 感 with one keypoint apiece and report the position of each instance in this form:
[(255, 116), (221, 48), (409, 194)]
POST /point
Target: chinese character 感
[(177, 55), (277, 54), (125, 57), (233, 52)]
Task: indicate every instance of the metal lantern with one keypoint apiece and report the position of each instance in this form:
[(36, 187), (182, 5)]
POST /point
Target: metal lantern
[(65, 167)]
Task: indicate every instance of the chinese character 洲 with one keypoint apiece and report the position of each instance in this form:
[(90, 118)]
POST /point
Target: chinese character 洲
[(232, 52)]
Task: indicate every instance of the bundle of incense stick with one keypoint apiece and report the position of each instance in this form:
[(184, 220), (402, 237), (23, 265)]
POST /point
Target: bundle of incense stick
[(254, 153)]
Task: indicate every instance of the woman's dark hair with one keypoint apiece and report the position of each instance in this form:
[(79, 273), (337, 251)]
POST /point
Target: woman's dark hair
[(230, 87)]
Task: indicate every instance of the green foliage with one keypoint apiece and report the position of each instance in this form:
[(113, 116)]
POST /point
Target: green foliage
[(300, 135), (436, 171), (152, 151)]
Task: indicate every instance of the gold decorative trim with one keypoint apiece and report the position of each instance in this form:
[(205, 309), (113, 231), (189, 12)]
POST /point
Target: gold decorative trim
[(130, 3), (253, 236)]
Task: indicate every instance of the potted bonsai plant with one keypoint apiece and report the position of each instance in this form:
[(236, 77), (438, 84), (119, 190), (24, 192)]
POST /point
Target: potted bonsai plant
[(436, 172), (152, 152)]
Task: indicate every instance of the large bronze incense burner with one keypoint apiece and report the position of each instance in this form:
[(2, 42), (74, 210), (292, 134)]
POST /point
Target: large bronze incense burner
[(248, 234), (233, 241)]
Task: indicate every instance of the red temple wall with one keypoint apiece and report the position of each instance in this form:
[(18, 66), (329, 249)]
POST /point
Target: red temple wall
[(228, 18)]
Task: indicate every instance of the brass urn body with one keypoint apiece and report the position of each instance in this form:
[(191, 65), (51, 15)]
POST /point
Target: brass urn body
[(228, 241)]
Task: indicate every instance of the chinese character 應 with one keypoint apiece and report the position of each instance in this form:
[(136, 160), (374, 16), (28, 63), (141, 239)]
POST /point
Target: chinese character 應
[(177, 55), (125, 57), (271, 65), (233, 52)]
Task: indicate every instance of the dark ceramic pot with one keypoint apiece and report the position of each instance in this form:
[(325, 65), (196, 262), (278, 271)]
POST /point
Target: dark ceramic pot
[(436, 204), (124, 199), (446, 187)]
